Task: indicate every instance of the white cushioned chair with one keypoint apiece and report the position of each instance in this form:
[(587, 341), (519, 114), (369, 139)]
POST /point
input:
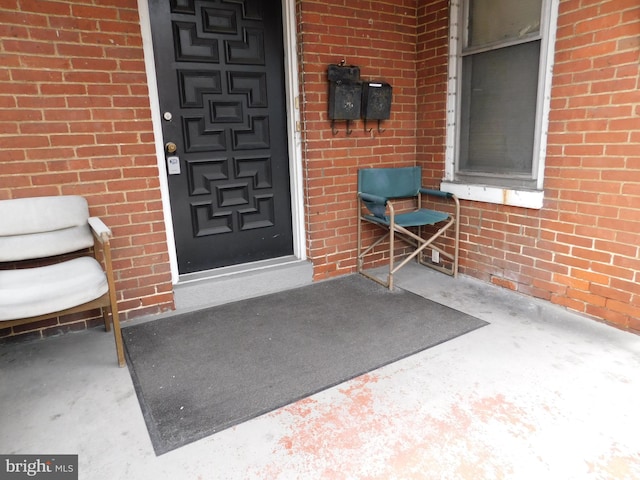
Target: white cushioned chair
[(40, 281)]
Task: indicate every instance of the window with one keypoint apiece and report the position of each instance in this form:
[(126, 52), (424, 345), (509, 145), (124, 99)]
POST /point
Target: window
[(499, 83)]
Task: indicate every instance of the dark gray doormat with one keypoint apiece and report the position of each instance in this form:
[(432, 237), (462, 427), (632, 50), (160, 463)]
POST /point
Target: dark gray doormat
[(201, 372)]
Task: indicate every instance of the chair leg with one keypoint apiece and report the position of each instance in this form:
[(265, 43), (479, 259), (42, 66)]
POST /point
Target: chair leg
[(391, 257), (117, 333), (107, 320), (113, 302), (362, 254), (359, 249), (456, 250)]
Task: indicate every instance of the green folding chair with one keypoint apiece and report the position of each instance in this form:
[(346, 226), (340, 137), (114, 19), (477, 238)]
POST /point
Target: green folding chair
[(424, 231)]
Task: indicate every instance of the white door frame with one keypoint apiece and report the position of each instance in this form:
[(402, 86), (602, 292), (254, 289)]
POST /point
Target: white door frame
[(294, 137)]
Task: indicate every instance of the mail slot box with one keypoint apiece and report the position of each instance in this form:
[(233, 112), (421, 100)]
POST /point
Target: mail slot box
[(345, 100), (376, 100), (343, 73)]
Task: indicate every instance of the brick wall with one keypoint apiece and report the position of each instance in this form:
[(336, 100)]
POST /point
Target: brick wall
[(75, 119), (592, 207), (378, 37), (582, 249), (431, 67)]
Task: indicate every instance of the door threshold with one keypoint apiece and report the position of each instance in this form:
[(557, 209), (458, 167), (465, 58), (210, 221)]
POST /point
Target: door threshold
[(243, 268), (229, 284)]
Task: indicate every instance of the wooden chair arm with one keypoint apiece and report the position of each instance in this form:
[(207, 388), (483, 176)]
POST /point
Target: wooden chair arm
[(100, 231)]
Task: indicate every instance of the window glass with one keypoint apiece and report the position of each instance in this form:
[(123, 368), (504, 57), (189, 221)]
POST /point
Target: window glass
[(498, 110), (498, 20), (499, 85)]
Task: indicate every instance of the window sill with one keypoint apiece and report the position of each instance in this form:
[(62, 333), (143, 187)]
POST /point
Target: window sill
[(501, 196)]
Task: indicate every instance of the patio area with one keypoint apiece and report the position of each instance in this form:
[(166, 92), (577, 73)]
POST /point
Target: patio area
[(539, 393)]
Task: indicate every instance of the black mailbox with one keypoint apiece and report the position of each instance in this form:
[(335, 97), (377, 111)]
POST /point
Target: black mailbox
[(345, 94), (376, 101), (345, 100), (343, 73)]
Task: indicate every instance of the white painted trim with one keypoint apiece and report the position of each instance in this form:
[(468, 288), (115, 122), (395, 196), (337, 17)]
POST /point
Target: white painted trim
[(154, 100), (503, 196), (547, 49), (453, 101), (294, 134), (293, 131), (493, 194)]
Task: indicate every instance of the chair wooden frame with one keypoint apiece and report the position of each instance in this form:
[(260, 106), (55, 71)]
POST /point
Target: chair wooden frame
[(378, 190), (107, 303)]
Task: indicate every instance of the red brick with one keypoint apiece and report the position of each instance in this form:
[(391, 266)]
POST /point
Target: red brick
[(577, 250), (608, 315), (570, 303), (624, 308), (586, 297)]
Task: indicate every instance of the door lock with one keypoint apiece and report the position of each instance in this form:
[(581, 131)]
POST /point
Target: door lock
[(170, 147), (173, 165)]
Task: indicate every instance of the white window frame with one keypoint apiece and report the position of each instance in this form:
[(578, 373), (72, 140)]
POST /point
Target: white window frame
[(485, 192)]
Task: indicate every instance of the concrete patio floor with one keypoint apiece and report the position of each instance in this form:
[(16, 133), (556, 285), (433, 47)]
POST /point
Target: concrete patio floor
[(539, 393)]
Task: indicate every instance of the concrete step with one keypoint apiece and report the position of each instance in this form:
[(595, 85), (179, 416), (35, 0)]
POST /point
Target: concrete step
[(230, 284)]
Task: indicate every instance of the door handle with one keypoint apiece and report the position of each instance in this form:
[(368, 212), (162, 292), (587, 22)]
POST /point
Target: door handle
[(170, 147)]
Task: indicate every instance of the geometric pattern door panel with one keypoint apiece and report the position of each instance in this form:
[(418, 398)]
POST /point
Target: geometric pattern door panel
[(220, 76)]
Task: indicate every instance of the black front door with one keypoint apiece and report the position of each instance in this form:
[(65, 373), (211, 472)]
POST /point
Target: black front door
[(220, 75)]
